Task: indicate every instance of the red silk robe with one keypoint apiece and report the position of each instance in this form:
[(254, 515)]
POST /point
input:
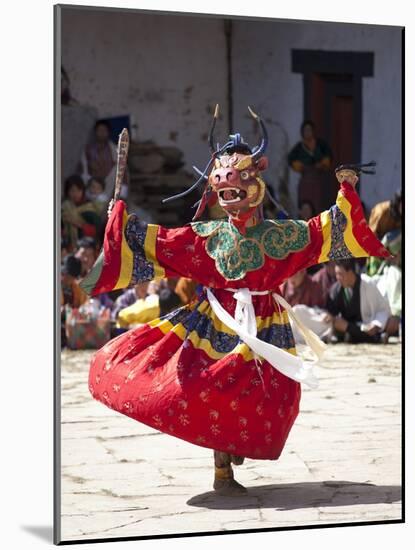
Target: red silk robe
[(187, 374)]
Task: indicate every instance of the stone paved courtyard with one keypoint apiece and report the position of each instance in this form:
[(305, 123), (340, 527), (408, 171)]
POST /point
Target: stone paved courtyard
[(342, 461)]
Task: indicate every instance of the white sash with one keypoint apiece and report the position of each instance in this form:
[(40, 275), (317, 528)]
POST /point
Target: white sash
[(244, 325)]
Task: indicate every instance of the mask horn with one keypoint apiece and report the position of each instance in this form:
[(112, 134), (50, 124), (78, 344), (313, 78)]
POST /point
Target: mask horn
[(260, 150), (202, 179), (212, 129), (370, 164)]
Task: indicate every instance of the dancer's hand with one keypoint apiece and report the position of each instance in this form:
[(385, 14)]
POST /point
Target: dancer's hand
[(347, 175)]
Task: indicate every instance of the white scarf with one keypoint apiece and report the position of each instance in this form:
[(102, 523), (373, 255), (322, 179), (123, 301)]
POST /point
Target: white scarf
[(244, 325)]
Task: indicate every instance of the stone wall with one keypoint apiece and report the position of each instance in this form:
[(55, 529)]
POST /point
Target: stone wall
[(265, 79), (76, 124), (168, 71)]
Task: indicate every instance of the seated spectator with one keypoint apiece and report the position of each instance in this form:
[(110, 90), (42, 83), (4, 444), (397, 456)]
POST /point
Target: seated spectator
[(386, 216), (306, 297), (393, 242), (64, 249), (71, 293), (141, 311), (168, 301), (129, 297), (149, 306), (79, 217), (186, 290), (389, 284), (387, 273), (325, 277), (306, 210), (357, 309), (95, 192), (87, 252), (302, 289)]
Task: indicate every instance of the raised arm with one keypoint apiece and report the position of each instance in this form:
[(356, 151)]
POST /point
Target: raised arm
[(339, 233), (344, 230), (135, 252)]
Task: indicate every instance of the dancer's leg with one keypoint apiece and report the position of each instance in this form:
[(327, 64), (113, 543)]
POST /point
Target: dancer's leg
[(224, 483)]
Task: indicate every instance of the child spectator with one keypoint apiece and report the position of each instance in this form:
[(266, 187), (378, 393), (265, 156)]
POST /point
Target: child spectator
[(95, 192), (79, 217), (71, 293), (87, 253)]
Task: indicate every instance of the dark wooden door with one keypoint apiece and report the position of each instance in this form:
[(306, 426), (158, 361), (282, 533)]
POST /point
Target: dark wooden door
[(333, 98), (333, 105)]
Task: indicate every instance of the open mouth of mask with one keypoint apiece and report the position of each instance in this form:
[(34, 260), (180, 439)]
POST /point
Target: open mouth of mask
[(230, 195)]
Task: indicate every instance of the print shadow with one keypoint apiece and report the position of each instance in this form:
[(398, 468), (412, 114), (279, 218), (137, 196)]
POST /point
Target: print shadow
[(292, 496), (43, 532)]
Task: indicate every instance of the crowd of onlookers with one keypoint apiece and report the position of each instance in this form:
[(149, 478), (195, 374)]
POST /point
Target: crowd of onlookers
[(355, 300), (89, 322), (85, 321), (342, 303), (87, 192)]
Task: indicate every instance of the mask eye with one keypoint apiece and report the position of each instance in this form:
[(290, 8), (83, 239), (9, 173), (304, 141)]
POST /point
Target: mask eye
[(244, 175)]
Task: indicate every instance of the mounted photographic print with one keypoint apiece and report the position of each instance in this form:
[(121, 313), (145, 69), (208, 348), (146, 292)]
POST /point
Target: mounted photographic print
[(228, 242)]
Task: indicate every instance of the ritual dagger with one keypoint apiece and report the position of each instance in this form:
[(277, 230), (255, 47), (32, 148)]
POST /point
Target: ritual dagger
[(122, 154)]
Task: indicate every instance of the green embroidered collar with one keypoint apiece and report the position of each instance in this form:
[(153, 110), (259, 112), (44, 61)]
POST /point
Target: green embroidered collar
[(236, 254)]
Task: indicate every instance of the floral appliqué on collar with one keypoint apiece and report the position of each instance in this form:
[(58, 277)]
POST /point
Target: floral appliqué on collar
[(236, 254)]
